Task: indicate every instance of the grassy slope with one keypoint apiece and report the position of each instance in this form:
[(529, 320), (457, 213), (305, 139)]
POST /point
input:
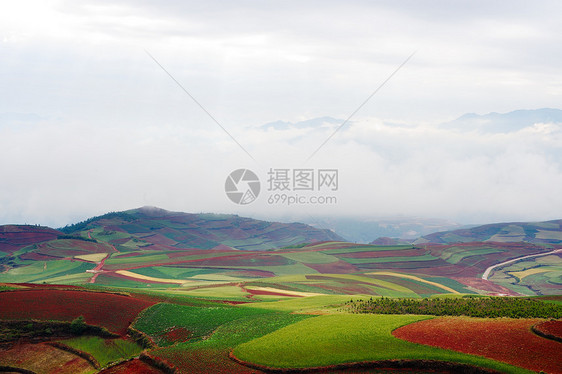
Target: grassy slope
[(333, 339), (211, 355)]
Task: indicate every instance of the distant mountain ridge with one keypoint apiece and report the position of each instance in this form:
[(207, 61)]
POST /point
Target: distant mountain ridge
[(310, 123), (547, 232), (505, 122)]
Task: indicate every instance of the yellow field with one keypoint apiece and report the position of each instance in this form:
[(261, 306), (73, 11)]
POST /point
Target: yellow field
[(130, 274), (526, 273), (547, 234), (93, 257), (413, 277), (290, 293)]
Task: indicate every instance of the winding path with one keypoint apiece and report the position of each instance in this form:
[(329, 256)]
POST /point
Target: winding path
[(489, 270), (99, 266)]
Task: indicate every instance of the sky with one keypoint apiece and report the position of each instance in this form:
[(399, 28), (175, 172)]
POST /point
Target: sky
[(96, 113)]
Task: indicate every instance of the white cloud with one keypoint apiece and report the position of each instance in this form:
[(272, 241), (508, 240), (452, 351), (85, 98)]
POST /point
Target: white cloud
[(116, 132)]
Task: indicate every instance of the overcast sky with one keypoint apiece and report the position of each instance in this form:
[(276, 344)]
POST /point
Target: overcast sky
[(89, 123)]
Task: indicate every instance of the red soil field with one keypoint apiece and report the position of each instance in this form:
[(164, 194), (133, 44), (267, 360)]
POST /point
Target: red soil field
[(115, 312), (338, 267), (427, 266), (550, 328), (443, 268), (507, 340), (377, 254), (43, 358), (14, 237), (39, 257), (199, 252), (134, 366), (178, 334), (159, 239), (203, 361), (486, 285)]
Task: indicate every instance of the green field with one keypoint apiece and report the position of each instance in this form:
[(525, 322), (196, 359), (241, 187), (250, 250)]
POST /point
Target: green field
[(199, 322), (46, 271), (334, 339), (104, 351)]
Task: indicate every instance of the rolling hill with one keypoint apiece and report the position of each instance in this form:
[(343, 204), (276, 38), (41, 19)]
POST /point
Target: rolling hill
[(211, 254), (547, 232), (155, 228), (199, 293)]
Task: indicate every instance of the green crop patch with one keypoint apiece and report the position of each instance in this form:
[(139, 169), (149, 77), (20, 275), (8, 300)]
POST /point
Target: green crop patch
[(158, 320), (104, 351), (310, 257), (455, 255), (39, 271), (304, 304), (335, 339)]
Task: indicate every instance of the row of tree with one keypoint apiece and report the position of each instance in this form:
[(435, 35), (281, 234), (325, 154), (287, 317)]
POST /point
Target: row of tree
[(487, 307)]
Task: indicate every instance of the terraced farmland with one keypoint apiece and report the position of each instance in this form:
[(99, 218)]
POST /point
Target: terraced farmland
[(112, 311), (505, 340), (338, 339)]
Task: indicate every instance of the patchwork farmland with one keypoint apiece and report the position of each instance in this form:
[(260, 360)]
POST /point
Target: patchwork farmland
[(152, 291)]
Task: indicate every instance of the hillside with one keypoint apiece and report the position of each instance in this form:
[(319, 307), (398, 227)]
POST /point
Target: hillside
[(245, 258), (14, 237), (154, 228), (547, 232)]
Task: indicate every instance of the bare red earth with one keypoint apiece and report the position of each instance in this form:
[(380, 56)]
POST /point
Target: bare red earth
[(377, 254), (14, 237), (550, 328), (507, 340), (486, 285), (199, 252), (134, 366), (115, 312), (204, 361), (178, 334)]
